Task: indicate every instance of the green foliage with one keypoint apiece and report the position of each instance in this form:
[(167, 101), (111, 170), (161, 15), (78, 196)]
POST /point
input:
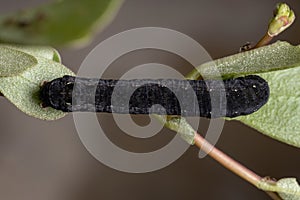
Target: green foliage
[(13, 62), (287, 188), (24, 68), (278, 56), (180, 125), (41, 51), (280, 117), (61, 22), (65, 22), (279, 64), (21, 87)]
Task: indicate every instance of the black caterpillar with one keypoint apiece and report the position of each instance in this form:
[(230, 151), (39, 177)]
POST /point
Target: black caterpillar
[(244, 96)]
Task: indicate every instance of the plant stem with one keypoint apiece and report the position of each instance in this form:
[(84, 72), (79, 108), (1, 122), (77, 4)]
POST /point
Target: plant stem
[(282, 19), (273, 195), (231, 164), (266, 39)]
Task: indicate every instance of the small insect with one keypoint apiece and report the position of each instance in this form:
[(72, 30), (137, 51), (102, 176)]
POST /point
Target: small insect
[(246, 47), (244, 95)]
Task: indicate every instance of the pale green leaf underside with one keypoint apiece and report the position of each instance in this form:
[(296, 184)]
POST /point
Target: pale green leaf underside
[(287, 188), (22, 90), (278, 56), (280, 117), (290, 189), (41, 51), (13, 62), (279, 64), (57, 23), (15, 59)]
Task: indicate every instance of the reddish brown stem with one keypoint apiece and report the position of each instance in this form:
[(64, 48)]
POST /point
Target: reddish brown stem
[(230, 163), (264, 41), (273, 195)]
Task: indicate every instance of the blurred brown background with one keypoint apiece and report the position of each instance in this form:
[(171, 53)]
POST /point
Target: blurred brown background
[(46, 161)]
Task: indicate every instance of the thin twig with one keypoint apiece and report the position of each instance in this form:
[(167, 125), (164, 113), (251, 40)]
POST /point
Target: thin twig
[(266, 39), (231, 164), (273, 195)]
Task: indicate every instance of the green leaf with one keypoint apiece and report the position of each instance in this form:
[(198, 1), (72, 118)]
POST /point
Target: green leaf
[(41, 51), (13, 62), (290, 189), (280, 117), (278, 56), (58, 23), (23, 90), (287, 188), (179, 125), (279, 64)]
